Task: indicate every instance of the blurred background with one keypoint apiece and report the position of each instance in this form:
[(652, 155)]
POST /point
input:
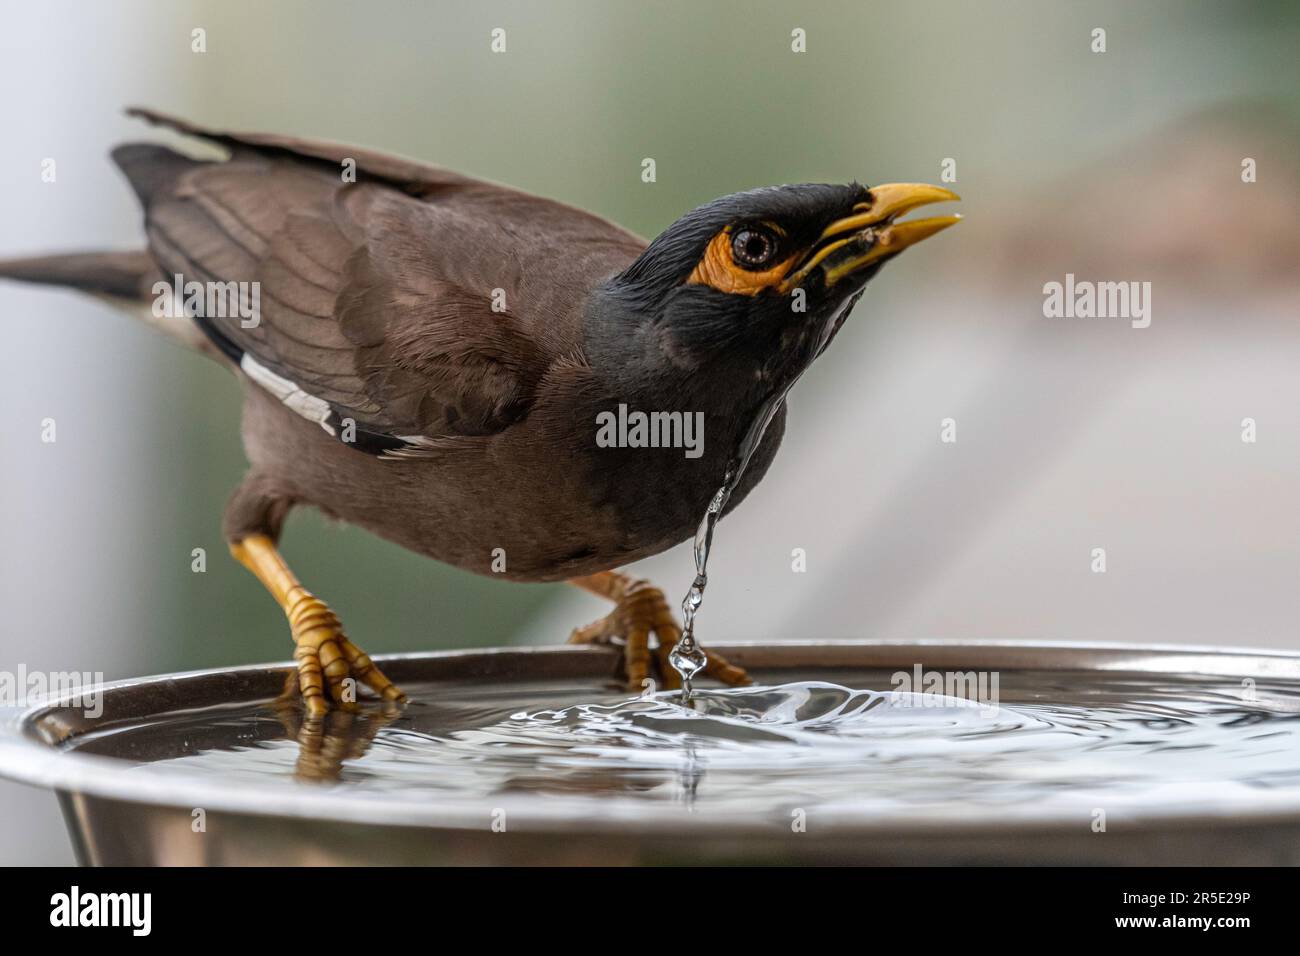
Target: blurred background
[(1072, 434)]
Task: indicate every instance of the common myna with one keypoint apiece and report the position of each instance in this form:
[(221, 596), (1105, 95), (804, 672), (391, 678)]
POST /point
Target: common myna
[(480, 375)]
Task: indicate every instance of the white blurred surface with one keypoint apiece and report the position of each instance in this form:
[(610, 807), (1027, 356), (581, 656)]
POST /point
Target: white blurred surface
[(75, 511)]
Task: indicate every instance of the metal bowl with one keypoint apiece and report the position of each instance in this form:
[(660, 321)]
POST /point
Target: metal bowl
[(120, 814)]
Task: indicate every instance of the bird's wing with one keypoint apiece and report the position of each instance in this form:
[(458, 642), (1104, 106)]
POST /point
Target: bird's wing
[(404, 311)]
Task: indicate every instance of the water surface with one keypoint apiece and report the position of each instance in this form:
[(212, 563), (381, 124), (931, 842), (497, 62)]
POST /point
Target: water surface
[(1064, 740)]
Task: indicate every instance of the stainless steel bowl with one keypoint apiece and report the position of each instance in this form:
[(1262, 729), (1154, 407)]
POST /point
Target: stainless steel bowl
[(119, 813)]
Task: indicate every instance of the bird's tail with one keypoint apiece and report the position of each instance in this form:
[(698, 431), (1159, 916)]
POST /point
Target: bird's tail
[(118, 275), (124, 279)]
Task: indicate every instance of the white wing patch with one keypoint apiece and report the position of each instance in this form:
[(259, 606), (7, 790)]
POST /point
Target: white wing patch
[(407, 447), (308, 406)]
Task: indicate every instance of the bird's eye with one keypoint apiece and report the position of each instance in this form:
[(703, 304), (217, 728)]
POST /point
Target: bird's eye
[(753, 247)]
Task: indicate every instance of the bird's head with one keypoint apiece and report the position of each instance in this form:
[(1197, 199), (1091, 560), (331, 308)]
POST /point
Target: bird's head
[(761, 280)]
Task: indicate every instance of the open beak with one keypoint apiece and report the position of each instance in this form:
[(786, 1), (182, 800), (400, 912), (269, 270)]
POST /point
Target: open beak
[(871, 234)]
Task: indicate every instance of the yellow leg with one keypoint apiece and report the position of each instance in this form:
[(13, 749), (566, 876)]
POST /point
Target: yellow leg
[(323, 652), (640, 610)]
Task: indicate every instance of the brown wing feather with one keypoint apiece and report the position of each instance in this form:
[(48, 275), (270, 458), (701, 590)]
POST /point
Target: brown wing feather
[(377, 296), (398, 169), (431, 350)]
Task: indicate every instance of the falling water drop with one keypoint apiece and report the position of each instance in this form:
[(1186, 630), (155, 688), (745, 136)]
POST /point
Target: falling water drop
[(687, 657)]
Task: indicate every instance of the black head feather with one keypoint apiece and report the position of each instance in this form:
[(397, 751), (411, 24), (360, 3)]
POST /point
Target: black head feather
[(802, 210), (651, 323)]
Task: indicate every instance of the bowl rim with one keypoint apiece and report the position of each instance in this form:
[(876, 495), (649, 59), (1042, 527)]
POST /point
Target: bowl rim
[(27, 758)]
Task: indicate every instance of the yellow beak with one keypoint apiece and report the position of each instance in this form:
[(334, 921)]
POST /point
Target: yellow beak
[(871, 234)]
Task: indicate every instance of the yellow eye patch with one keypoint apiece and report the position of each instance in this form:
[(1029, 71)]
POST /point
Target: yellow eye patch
[(718, 269)]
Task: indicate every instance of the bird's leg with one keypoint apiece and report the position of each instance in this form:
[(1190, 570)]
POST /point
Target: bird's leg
[(324, 654), (640, 609)]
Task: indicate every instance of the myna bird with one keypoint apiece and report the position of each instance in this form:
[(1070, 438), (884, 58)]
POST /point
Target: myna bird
[(430, 356)]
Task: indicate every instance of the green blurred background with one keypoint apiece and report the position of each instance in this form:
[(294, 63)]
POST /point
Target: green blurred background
[(100, 527)]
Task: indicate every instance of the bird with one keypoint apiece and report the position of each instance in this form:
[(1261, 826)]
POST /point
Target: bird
[(427, 355)]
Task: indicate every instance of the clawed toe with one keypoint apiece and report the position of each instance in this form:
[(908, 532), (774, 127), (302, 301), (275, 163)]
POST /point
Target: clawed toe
[(641, 612), (325, 656)]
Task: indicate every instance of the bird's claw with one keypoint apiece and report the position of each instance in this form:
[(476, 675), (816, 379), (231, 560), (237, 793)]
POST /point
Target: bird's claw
[(640, 611), (326, 657)]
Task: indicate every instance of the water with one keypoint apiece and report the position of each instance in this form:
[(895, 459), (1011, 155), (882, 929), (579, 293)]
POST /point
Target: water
[(1070, 741), (687, 657)]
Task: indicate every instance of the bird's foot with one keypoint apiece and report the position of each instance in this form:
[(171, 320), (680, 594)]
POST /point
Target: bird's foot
[(325, 656), (641, 610)]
